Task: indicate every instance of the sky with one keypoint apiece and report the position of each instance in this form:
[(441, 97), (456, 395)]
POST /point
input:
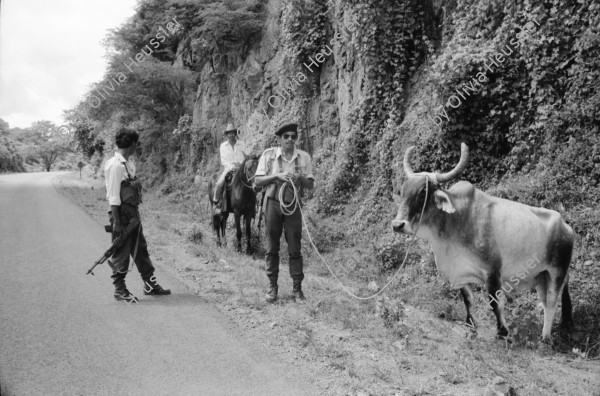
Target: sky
[(50, 54)]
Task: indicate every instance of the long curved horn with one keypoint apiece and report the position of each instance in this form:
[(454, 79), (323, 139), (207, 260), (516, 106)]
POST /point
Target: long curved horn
[(407, 168), (459, 168)]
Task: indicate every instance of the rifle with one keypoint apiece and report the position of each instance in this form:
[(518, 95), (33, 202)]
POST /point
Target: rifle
[(133, 224)]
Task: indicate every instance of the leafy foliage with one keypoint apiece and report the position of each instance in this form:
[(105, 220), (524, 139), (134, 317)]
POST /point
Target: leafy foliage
[(145, 24), (226, 29), (154, 89), (536, 104), (87, 140), (305, 27), (50, 142), (391, 42), (10, 159), (155, 95)]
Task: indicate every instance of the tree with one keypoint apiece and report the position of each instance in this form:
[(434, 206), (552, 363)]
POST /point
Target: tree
[(10, 160), (157, 89), (227, 29), (4, 127), (85, 134), (49, 142)]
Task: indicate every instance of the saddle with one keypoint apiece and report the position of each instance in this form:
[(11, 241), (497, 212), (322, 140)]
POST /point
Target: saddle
[(224, 201), (228, 178)]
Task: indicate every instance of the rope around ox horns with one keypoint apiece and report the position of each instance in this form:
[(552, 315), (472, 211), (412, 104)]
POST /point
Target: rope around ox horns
[(290, 208)]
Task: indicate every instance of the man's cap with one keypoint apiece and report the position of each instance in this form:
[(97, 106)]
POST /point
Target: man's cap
[(287, 128), (230, 128)]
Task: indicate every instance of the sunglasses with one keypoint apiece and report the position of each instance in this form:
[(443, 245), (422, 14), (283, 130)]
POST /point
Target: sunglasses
[(287, 136)]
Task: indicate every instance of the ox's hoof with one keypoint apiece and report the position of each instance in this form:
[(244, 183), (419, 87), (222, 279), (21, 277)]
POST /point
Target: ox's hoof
[(547, 340), (503, 333), (546, 345), (566, 327)]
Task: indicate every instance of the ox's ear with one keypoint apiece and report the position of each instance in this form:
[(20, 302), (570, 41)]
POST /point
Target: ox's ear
[(442, 201)]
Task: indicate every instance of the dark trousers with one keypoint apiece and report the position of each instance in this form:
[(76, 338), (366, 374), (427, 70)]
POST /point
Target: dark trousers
[(119, 261), (276, 222)]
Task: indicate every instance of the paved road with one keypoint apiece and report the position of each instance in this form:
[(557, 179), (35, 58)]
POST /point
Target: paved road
[(61, 333)]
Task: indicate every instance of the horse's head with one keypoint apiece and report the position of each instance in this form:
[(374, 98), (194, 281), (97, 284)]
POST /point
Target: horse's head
[(250, 165), (245, 173)]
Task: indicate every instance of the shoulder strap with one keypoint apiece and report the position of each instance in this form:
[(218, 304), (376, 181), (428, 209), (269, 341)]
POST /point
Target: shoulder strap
[(269, 161), (280, 163), (127, 170)]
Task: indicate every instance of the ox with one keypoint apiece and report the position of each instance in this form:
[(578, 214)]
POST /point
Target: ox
[(478, 238)]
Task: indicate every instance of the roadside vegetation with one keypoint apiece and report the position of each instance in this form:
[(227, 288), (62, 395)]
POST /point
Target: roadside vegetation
[(411, 341)]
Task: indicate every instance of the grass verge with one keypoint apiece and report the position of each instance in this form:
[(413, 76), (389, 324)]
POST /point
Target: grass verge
[(410, 341)]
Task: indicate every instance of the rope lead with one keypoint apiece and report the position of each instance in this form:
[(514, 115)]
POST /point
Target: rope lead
[(295, 203)]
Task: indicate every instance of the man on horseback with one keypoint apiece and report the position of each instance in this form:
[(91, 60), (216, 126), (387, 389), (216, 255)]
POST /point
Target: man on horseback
[(233, 152), (283, 170)]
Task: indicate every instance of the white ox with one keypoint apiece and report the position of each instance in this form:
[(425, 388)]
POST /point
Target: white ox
[(478, 238)]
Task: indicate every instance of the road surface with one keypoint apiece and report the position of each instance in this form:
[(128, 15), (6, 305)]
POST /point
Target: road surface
[(62, 333)]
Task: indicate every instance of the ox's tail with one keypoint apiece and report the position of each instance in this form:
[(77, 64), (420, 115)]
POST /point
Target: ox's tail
[(566, 317)]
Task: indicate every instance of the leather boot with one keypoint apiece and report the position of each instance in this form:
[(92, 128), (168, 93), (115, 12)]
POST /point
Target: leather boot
[(271, 295), (151, 288), (297, 294), (122, 294)]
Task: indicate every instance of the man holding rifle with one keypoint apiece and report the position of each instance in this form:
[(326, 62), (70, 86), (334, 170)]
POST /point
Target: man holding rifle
[(124, 194)]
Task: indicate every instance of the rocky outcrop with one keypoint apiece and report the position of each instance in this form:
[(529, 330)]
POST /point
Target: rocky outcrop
[(270, 85), (264, 89)]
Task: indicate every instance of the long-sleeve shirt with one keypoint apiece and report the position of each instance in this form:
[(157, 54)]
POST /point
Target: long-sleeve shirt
[(231, 155), (114, 174)]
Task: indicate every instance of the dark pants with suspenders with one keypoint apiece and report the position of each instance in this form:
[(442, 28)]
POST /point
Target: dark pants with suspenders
[(119, 262), (276, 223)]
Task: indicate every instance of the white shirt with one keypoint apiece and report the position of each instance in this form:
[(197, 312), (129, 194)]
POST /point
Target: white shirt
[(114, 174), (268, 164), (229, 154)]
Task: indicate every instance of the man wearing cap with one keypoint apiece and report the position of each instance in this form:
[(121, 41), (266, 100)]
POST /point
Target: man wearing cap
[(124, 194), (233, 152), (278, 168)]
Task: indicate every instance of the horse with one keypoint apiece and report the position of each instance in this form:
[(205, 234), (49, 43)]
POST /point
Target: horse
[(240, 199)]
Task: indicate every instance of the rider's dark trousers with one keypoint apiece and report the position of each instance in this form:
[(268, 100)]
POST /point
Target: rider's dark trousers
[(119, 261), (276, 222)]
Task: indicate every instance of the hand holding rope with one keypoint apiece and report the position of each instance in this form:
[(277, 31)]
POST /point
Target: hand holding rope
[(289, 208)]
